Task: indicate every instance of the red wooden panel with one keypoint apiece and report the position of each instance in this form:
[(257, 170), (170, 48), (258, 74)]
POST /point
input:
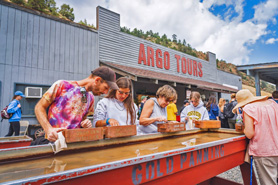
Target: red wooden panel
[(120, 131), (171, 127), (83, 134), (14, 144), (15, 141), (208, 124)]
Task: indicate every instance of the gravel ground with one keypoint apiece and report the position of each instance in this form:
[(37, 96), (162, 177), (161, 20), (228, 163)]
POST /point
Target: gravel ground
[(234, 174)]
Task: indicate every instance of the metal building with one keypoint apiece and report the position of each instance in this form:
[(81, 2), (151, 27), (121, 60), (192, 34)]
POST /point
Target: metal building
[(38, 49)]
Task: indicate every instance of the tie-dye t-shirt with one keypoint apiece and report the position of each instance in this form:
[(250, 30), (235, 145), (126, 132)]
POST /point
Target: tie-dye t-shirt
[(66, 109)]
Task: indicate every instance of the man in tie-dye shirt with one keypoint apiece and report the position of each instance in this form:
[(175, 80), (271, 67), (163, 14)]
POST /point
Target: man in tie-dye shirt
[(70, 102)]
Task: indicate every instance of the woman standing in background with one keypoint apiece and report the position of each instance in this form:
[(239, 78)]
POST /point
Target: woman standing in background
[(212, 108), (224, 121), (15, 109)]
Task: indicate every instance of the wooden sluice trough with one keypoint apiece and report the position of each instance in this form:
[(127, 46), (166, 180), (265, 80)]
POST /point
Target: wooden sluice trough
[(194, 156)]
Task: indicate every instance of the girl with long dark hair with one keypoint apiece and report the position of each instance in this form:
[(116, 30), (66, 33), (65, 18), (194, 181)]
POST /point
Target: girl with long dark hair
[(118, 107), (213, 109)]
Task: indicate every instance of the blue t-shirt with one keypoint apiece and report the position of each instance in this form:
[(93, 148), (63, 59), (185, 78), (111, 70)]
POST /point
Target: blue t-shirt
[(213, 112)]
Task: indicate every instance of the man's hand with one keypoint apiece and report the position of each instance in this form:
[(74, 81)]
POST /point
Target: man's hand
[(113, 122), (86, 123), (52, 134)]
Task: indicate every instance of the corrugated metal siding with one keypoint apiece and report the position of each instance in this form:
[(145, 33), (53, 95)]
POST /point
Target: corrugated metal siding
[(230, 79), (39, 50), (119, 47)]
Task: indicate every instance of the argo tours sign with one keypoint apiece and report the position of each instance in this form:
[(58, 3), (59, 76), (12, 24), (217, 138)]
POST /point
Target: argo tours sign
[(158, 58)]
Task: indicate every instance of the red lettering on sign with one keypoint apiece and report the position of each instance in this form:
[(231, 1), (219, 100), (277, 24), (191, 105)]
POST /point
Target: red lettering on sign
[(166, 60), (161, 60), (200, 69), (142, 56), (183, 65), (150, 54), (195, 72), (189, 66), (178, 62), (158, 58)]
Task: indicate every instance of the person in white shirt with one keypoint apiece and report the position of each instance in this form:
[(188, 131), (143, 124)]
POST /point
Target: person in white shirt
[(195, 110), (118, 107)]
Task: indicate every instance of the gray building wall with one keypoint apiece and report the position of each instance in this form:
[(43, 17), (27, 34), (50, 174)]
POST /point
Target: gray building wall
[(37, 50), (229, 79), (118, 47)]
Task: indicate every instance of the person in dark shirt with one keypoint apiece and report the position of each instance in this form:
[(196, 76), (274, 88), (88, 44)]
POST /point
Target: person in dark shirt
[(141, 105)]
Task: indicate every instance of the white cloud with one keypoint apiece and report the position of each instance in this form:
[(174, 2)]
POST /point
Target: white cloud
[(231, 41), (228, 37), (271, 41), (192, 21), (265, 12)]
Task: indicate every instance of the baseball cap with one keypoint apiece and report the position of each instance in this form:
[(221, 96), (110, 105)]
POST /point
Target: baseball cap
[(19, 93), (143, 97), (185, 101), (106, 74)]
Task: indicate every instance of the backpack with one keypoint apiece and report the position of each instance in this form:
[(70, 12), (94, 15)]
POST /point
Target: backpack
[(5, 114), (228, 110)]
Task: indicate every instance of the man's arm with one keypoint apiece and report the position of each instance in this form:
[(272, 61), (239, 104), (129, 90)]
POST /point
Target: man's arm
[(40, 111)]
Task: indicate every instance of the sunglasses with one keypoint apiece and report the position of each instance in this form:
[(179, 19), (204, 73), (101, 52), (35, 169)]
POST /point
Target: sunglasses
[(84, 95), (121, 92), (168, 99), (194, 101)]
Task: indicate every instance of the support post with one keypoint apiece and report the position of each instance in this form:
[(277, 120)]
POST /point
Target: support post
[(257, 84)]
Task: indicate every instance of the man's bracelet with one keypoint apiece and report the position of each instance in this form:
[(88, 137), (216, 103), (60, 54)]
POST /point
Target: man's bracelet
[(107, 122)]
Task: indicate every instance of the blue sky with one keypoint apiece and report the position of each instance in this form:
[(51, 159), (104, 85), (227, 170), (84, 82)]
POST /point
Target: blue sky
[(265, 48), (238, 31)]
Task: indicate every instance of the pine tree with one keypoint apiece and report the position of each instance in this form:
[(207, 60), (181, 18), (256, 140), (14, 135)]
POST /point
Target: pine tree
[(67, 11)]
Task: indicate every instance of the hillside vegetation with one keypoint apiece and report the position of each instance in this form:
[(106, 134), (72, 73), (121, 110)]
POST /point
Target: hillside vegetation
[(49, 7), (185, 47)]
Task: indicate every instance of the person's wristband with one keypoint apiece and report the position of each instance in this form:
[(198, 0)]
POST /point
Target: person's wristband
[(107, 122)]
